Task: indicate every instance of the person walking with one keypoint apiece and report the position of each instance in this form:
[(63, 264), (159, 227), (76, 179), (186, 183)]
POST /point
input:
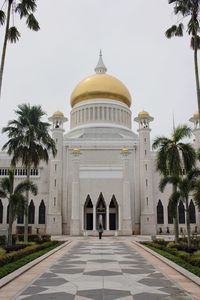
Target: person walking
[(100, 230)]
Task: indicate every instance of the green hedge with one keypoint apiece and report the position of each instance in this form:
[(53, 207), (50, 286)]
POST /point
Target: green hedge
[(16, 255), (11, 267), (178, 257)]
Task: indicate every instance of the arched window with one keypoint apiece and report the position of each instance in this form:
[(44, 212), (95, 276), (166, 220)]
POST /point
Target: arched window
[(181, 213), (192, 213), (1, 212), (88, 203), (31, 213), (20, 217), (160, 215), (170, 214), (42, 212)]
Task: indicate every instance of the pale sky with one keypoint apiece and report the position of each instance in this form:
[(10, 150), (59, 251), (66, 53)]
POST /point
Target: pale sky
[(44, 67)]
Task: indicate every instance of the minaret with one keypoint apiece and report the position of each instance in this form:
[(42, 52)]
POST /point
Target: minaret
[(54, 215), (196, 129), (147, 217)]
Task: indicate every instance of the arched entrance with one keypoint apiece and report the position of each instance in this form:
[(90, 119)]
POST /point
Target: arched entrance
[(113, 214), (101, 212), (88, 214)]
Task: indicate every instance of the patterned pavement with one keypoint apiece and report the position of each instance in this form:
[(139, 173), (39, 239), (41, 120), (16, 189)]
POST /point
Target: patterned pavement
[(103, 269)]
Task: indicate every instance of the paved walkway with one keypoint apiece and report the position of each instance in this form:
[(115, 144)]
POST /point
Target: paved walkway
[(103, 269)]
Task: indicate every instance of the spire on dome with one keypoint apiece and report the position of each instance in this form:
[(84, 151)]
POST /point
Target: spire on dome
[(100, 68)]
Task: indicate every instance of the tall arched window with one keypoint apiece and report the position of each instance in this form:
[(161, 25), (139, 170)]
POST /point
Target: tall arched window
[(192, 213), (42, 213), (160, 214), (20, 217), (170, 215), (31, 213), (1, 212), (181, 213)]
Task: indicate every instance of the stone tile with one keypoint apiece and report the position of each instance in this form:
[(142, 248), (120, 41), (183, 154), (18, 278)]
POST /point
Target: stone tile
[(52, 296), (50, 282), (149, 296), (102, 273)]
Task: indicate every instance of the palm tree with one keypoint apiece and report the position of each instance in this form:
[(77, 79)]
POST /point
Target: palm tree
[(186, 185), (191, 9), (173, 156), (196, 193), (15, 197), (23, 8), (29, 142)]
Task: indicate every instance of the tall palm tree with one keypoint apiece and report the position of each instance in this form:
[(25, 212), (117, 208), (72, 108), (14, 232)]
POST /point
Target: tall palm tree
[(186, 185), (173, 156), (23, 8), (15, 197), (191, 9), (196, 193), (29, 142)]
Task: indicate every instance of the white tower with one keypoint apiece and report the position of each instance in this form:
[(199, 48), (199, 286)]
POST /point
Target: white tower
[(147, 217), (196, 129), (54, 216)]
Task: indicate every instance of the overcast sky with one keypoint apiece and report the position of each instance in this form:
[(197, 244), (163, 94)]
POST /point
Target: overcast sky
[(44, 67)]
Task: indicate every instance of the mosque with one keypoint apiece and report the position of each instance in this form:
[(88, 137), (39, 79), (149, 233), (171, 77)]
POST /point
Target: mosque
[(103, 171)]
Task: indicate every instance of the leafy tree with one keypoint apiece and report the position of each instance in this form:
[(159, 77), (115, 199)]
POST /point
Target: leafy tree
[(16, 198), (23, 8), (190, 10), (186, 184), (172, 157), (29, 142)]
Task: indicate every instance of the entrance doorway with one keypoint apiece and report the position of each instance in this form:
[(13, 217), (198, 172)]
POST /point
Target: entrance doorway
[(113, 214), (101, 212), (88, 214)]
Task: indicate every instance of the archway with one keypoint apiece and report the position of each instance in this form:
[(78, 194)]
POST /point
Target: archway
[(101, 212), (88, 214), (113, 214)]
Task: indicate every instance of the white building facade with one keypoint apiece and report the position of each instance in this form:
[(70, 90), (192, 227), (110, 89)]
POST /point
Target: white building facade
[(103, 172)]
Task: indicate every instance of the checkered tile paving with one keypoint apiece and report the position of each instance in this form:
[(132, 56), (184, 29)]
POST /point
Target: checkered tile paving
[(102, 269)]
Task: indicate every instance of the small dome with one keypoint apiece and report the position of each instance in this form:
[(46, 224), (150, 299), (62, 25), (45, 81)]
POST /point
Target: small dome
[(196, 115), (143, 114), (58, 114)]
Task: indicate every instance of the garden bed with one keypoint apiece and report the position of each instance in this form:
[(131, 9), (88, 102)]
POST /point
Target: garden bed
[(9, 262), (188, 259)]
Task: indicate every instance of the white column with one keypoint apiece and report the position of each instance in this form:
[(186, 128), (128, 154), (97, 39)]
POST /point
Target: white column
[(119, 217), (83, 218), (107, 218), (94, 217)]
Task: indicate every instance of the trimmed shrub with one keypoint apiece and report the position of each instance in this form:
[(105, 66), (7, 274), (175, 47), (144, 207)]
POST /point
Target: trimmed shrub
[(2, 240), (15, 255)]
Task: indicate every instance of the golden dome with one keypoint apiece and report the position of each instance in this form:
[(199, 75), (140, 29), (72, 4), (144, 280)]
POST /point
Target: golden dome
[(101, 86), (196, 115), (58, 114), (143, 114)]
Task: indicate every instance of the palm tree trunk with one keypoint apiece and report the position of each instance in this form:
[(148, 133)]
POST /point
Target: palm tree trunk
[(176, 228), (175, 220), (5, 43), (26, 208), (10, 222), (188, 224), (197, 73)]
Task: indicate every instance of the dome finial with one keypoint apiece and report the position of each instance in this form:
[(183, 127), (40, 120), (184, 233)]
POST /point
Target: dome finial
[(100, 68)]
